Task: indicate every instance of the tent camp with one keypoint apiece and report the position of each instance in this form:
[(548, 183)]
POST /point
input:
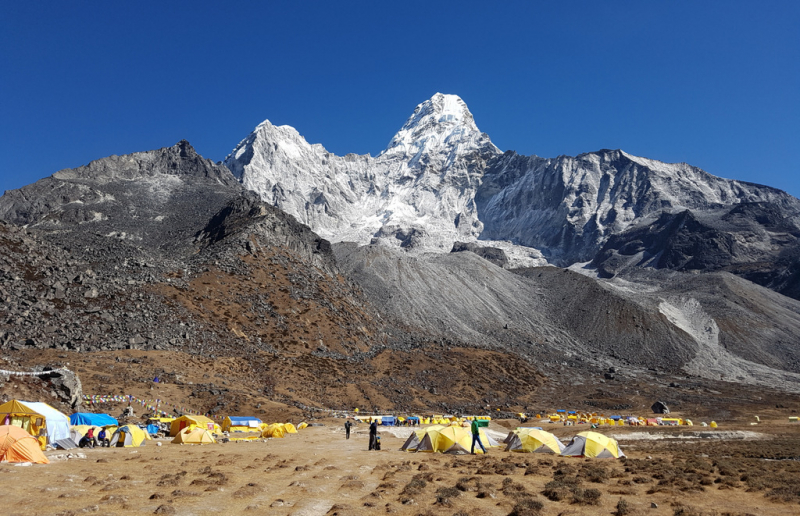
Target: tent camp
[(18, 414), (89, 418), (17, 445), (129, 436), (196, 435), (241, 424), (592, 444), (57, 423), (192, 421), (532, 440)]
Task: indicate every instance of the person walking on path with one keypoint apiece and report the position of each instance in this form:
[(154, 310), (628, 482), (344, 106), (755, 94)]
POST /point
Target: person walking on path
[(476, 436), (347, 425), (373, 434)]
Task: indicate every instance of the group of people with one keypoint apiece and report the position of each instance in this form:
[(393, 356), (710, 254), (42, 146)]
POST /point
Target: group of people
[(375, 440), (89, 439)]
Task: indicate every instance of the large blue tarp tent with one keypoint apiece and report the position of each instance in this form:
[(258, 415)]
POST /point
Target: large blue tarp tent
[(88, 418), (387, 420)]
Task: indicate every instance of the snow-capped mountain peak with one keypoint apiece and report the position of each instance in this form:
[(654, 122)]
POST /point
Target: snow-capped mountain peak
[(441, 124), (418, 193)]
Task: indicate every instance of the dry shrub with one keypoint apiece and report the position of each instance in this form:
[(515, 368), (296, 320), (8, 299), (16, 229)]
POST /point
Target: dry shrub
[(417, 484), (467, 484), (623, 507), (514, 490), (589, 496), (505, 469), (595, 473), (445, 495), (527, 507)]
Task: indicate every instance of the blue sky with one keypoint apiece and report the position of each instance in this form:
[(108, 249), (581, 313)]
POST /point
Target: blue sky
[(714, 84)]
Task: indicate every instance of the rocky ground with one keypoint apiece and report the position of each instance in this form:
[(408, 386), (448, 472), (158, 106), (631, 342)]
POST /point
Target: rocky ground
[(736, 470)]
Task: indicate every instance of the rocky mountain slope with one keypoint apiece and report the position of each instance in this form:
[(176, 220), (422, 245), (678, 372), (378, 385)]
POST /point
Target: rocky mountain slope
[(715, 326), (163, 257)]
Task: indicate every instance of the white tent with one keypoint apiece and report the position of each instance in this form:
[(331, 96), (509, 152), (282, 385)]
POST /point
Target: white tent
[(57, 423)]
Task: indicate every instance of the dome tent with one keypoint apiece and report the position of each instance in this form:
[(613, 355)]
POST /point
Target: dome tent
[(129, 436), (532, 440), (196, 435), (592, 444), (17, 445)]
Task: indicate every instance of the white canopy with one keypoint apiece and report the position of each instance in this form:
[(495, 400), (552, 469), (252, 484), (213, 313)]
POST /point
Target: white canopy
[(57, 423)]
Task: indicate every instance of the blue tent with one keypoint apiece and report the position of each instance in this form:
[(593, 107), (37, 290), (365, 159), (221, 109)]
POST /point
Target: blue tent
[(88, 418), (387, 420), (152, 429)]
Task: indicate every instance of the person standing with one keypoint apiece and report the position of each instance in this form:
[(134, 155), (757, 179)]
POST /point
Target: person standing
[(373, 434), (347, 425), (476, 436)]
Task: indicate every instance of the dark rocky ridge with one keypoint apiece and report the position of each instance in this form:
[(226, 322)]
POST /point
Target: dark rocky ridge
[(752, 240), (492, 254)]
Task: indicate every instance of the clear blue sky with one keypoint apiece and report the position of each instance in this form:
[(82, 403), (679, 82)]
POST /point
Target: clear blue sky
[(714, 84)]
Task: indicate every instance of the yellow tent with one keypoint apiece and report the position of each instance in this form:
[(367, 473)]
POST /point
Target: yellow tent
[(533, 440), (447, 439), (192, 421), (16, 414), (196, 435), (592, 444), (290, 429), (275, 430), (129, 436), (302, 425)]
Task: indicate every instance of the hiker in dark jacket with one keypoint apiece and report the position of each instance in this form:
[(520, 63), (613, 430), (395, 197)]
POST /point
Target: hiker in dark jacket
[(347, 425), (373, 434)]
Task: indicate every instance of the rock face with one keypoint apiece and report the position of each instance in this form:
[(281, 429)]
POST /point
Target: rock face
[(441, 181), (123, 253), (418, 193), (568, 207), (753, 240)]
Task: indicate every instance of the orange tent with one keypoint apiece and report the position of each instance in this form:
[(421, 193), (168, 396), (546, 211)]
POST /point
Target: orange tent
[(17, 445)]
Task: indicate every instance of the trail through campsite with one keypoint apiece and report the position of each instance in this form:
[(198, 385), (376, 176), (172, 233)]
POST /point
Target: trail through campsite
[(317, 471)]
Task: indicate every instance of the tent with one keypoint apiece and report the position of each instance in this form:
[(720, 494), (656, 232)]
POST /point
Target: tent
[(592, 444), (196, 435), (274, 430), (532, 440), (56, 422), (89, 418), (448, 439), (129, 436), (302, 425), (414, 439), (191, 421), (76, 432), (18, 414), (17, 445), (240, 424)]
